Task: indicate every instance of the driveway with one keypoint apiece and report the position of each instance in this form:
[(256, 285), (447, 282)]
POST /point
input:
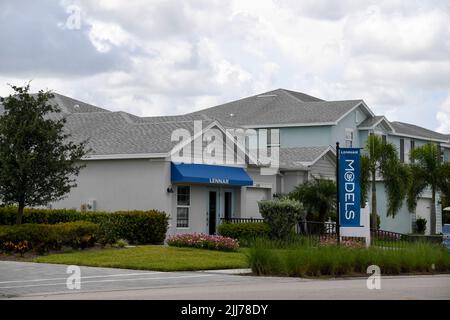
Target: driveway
[(21, 280)]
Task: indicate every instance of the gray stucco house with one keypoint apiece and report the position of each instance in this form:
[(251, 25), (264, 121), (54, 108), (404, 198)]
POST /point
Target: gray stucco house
[(131, 165)]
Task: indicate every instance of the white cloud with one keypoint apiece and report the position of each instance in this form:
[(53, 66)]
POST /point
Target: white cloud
[(443, 116), (168, 57)]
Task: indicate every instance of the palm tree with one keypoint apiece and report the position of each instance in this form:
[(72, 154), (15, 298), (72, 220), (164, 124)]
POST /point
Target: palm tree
[(428, 171), (381, 161), (317, 196)]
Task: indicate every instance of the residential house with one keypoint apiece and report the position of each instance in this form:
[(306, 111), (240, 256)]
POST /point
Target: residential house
[(306, 121), (134, 162)]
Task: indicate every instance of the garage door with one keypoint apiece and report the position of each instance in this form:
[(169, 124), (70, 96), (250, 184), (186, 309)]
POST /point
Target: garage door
[(423, 211), (253, 196)]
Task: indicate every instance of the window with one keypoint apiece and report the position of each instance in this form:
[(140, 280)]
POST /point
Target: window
[(413, 144), (405, 147), (402, 150), (273, 137), (183, 204), (384, 138), (348, 138)]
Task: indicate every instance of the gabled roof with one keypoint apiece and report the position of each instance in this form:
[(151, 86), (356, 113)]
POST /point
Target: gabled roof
[(282, 107), (413, 131), (372, 122), (301, 157)]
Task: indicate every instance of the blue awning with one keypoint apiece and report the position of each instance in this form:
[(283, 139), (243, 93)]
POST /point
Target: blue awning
[(209, 174)]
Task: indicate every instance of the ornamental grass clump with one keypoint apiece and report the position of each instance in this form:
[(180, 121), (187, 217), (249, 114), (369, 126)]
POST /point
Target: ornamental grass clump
[(332, 260), (203, 241)]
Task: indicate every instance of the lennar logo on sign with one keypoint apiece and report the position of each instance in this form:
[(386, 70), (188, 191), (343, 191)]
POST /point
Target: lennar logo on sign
[(349, 187), (219, 181)]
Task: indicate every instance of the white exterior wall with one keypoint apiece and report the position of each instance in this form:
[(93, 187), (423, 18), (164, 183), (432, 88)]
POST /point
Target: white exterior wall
[(135, 184), (199, 207)]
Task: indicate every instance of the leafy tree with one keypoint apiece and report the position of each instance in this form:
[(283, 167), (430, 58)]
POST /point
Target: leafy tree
[(428, 171), (381, 161), (317, 196), (38, 163)]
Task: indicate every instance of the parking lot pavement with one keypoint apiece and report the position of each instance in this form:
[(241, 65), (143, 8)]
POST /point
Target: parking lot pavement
[(18, 279), (21, 280)]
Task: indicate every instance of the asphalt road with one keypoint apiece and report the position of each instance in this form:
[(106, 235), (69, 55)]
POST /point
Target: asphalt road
[(19, 280)]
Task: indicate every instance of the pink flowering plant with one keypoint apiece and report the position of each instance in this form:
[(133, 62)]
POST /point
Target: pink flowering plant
[(203, 241), (346, 242)]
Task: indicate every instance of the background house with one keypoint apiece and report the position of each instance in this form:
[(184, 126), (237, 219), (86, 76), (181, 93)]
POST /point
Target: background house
[(306, 121)]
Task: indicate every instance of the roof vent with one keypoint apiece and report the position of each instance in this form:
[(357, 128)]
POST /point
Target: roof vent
[(76, 106), (267, 96), (231, 115)]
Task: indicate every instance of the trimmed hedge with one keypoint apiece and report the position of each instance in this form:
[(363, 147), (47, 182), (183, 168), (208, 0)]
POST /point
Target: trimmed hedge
[(141, 227), (281, 216), (40, 216), (45, 237), (244, 231)]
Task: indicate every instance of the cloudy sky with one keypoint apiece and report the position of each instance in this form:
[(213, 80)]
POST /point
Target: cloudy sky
[(169, 57)]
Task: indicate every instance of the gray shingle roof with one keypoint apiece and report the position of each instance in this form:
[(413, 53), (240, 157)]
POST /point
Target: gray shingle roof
[(370, 122), (299, 157), (279, 107), (112, 133), (413, 130), (69, 105)]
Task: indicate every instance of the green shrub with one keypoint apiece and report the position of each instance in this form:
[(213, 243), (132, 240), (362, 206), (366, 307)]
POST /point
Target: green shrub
[(421, 225), (143, 227), (281, 216), (121, 243), (245, 231), (39, 216), (45, 237)]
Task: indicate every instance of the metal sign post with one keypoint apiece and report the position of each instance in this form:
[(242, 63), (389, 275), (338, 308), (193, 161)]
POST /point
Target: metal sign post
[(338, 226)]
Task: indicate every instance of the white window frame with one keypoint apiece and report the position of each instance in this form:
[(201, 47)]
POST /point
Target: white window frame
[(352, 132), (183, 206), (269, 138)]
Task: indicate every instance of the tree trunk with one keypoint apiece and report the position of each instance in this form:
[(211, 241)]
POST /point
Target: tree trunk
[(433, 212), (373, 215), (20, 213)]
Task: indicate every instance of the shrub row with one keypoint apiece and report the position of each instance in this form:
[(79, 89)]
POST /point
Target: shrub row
[(45, 237), (244, 232), (142, 227)]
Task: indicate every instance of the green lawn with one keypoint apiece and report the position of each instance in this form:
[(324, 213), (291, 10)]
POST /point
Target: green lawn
[(159, 258)]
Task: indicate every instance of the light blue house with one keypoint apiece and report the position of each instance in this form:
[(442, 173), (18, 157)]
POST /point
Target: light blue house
[(306, 121)]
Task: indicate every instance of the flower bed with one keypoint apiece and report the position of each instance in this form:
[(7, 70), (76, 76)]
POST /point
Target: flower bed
[(203, 241), (346, 242)]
